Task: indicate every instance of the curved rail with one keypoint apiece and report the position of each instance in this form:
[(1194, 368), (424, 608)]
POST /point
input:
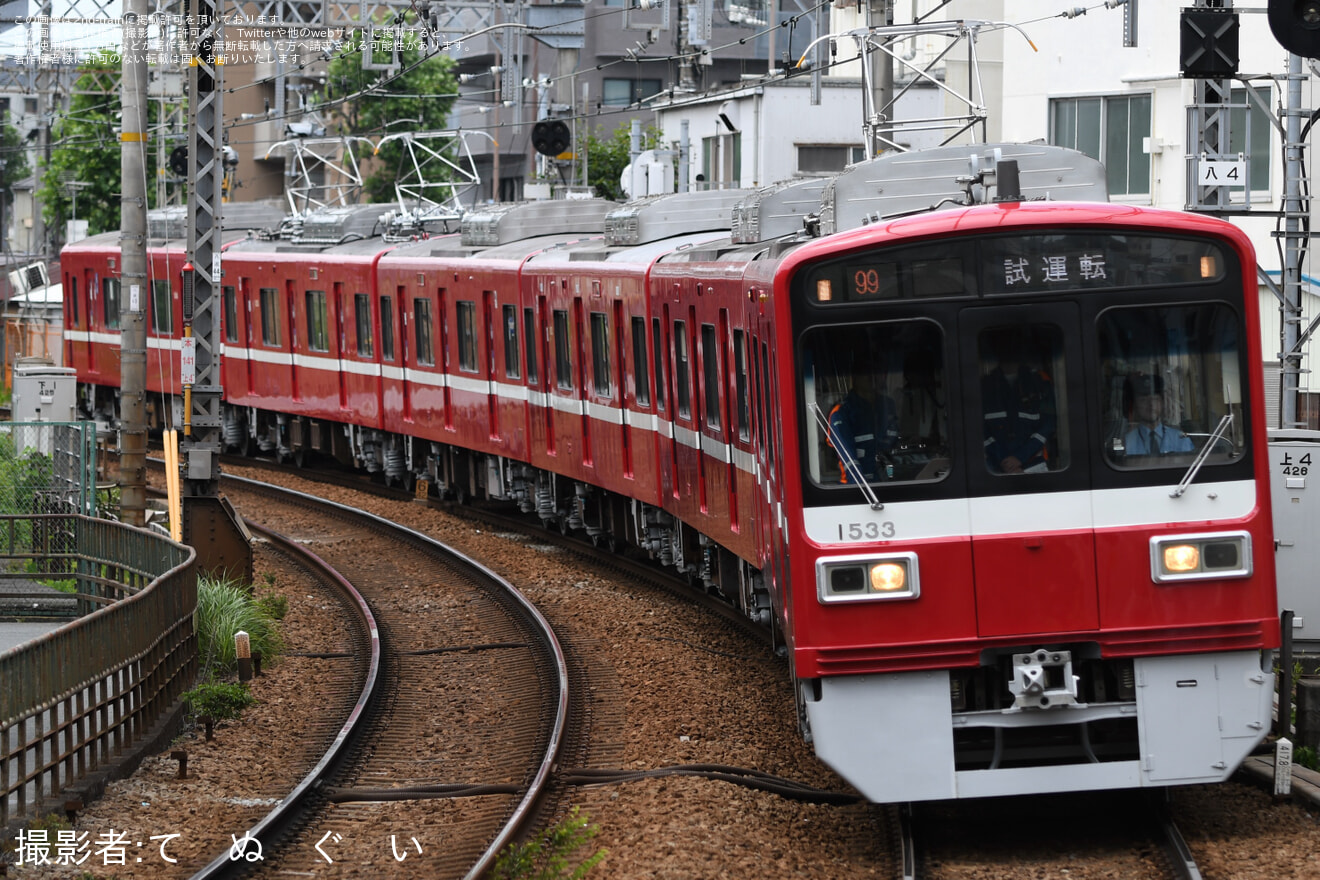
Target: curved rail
[(535, 789)]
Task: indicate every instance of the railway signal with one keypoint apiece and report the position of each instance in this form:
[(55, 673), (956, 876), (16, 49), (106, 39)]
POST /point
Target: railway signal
[(1296, 25)]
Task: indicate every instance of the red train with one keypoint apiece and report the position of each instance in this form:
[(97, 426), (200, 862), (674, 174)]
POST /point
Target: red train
[(992, 465)]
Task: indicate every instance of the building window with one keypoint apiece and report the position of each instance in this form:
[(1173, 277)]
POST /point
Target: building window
[(1112, 130), (162, 317), (110, 302), (721, 161), (362, 316), (827, 158), (387, 328), (270, 316), (1249, 132), (620, 92), (318, 338), (422, 323)]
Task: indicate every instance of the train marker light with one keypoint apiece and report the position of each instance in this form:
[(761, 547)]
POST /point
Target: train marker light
[(1200, 557), (824, 290), (867, 578), (888, 577), (1208, 267)]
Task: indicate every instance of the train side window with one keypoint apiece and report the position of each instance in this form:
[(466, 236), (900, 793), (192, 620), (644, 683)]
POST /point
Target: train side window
[(757, 381), (770, 423), (110, 302), (73, 298), (387, 328), (1025, 417), (511, 368), (658, 350), (600, 353), (683, 390), (563, 358), (422, 327), (270, 316), (162, 316), (362, 318), (740, 386), (641, 367), (318, 338), (467, 335), (529, 344), (710, 362), (230, 297)]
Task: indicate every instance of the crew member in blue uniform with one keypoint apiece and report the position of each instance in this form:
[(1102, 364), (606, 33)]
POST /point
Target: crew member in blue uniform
[(1152, 436), (864, 426), (1020, 414)]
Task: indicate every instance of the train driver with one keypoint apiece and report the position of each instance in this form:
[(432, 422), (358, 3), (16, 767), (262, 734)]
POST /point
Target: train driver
[(1018, 402), (863, 427), (1152, 436)]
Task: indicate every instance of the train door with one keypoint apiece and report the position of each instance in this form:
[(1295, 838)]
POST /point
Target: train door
[(665, 397), (621, 398), (291, 302), (580, 369), (340, 353), (405, 351), (1033, 545), (245, 312), (548, 407), (490, 314)]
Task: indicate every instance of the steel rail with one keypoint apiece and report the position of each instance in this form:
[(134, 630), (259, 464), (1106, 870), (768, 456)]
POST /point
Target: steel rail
[(525, 809)]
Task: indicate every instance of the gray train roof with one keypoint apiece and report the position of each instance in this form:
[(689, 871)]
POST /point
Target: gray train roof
[(172, 222), (778, 210), (449, 248), (665, 216), (503, 224), (927, 180)]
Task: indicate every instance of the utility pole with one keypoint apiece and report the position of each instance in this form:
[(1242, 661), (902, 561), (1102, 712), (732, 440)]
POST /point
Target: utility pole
[(1290, 356), (133, 267), (880, 14)]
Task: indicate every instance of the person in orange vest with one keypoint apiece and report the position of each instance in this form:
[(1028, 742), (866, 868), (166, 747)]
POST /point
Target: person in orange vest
[(864, 429)]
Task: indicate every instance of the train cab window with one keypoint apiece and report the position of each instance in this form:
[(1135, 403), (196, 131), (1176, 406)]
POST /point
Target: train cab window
[(529, 344), (600, 353), (466, 311), (511, 369), (682, 389), (874, 396), (230, 297), (1024, 413), (270, 316), (387, 328), (422, 328), (659, 352), (740, 388), (318, 336), (641, 367), (110, 302), (710, 362), (563, 358), (1171, 384), (162, 316), (362, 321)]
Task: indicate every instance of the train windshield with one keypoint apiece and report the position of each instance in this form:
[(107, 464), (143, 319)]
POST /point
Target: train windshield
[(875, 394), (1168, 378)]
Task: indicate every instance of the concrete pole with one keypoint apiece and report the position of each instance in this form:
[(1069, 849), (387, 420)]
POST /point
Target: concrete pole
[(133, 268), (880, 13)]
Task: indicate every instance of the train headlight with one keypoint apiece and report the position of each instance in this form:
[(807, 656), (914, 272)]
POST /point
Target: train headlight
[(867, 578), (1202, 557)]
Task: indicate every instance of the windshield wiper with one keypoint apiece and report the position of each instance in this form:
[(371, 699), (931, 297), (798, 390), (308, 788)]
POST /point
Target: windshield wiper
[(1215, 437), (849, 463)]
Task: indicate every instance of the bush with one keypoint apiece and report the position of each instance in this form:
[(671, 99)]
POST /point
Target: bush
[(219, 701), (274, 607), (223, 609), (546, 857)]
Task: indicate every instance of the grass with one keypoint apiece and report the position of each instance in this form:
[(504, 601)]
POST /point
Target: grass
[(223, 609), (551, 854)]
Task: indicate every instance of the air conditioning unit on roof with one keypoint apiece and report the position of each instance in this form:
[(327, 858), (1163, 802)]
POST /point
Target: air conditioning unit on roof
[(29, 278)]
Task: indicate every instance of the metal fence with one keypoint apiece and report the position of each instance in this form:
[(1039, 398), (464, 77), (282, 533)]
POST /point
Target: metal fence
[(73, 699), (48, 467)]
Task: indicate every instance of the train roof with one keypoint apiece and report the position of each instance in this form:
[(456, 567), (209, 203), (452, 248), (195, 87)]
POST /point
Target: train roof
[(365, 247), (638, 255), (451, 247), (664, 216), (503, 224)]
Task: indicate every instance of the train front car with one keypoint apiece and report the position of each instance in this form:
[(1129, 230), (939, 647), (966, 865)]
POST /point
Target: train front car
[(1031, 548)]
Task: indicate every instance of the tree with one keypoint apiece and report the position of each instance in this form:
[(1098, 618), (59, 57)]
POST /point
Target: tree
[(85, 150), (366, 102), (607, 157), (13, 168)]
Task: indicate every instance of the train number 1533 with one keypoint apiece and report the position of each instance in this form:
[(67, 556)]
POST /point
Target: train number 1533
[(868, 531)]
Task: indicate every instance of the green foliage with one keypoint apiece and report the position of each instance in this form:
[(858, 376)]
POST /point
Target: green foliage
[(549, 855), (1305, 756), (366, 103), (21, 477), (274, 607), (219, 701), (13, 167), (223, 609), (86, 148), (607, 157)]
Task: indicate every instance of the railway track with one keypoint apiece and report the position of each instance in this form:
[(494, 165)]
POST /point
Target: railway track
[(467, 698)]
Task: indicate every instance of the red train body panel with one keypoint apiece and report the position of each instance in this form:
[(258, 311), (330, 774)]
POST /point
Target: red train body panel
[(960, 621)]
